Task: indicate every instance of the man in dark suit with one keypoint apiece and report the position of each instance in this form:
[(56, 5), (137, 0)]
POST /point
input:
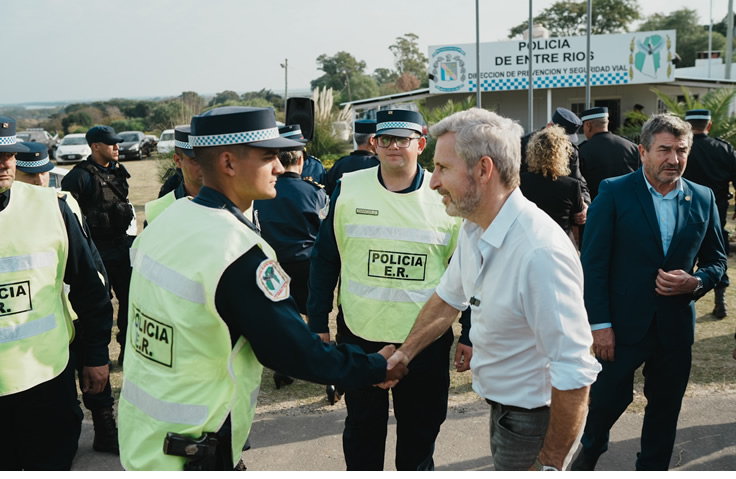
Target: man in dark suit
[(645, 231), (604, 155)]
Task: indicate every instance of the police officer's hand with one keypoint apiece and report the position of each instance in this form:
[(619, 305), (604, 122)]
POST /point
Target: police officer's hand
[(463, 355), (94, 378), (324, 336), (604, 342)]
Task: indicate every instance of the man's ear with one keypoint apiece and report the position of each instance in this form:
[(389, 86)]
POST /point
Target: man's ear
[(177, 160), (421, 145), (484, 169), (226, 162)]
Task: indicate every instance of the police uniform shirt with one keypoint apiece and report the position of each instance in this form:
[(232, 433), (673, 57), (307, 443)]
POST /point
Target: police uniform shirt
[(290, 222), (313, 169), (87, 294), (172, 183), (712, 163), (280, 339), (357, 160), (607, 155), (574, 166), (326, 265)]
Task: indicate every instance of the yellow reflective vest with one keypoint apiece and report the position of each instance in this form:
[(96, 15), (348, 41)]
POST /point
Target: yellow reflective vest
[(182, 373), (155, 207), (394, 248), (34, 334)]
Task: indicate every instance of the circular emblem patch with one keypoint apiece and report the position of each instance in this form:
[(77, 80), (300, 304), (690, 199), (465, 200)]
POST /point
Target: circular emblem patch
[(273, 280)]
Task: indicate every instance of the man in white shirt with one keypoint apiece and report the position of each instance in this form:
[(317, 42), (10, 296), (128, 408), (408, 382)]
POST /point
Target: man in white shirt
[(522, 279)]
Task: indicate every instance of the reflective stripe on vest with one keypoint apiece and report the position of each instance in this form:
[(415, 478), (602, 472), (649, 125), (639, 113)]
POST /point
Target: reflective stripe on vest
[(394, 249), (157, 206), (182, 373), (34, 339)]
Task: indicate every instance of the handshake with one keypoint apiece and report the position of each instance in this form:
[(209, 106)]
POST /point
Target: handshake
[(396, 366)]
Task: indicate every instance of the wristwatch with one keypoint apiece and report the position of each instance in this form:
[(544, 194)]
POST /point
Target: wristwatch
[(698, 291), (542, 467)]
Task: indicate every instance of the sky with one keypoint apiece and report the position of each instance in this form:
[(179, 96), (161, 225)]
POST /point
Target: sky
[(77, 50)]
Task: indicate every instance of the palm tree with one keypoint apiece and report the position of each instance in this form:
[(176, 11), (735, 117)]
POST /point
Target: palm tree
[(717, 101)]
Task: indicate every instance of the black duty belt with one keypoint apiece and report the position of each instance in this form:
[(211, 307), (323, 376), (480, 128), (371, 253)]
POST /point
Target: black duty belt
[(516, 408)]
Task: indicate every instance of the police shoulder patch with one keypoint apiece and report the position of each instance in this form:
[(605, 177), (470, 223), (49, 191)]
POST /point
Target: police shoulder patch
[(273, 280)]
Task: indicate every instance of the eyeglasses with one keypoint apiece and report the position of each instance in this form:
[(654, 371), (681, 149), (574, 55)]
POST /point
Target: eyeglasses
[(385, 141)]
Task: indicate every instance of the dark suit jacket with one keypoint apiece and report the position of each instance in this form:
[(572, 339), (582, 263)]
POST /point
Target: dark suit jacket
[(622, 251), (560, 198)]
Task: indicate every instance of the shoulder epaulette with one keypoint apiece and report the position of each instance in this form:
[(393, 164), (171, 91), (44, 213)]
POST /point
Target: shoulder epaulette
[(311, 181)]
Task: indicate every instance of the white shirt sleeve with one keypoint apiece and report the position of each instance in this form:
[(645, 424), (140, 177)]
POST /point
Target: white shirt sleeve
[(450, 289), (552, 298)]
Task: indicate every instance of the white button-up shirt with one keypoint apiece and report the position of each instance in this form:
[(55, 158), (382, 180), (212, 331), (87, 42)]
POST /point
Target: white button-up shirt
[(524, 282)]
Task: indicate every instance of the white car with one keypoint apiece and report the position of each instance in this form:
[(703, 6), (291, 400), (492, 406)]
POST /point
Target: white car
[(72, 149), (166, 142)]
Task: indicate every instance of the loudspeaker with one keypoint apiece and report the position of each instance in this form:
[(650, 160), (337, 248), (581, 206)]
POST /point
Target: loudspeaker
[(300, 111)]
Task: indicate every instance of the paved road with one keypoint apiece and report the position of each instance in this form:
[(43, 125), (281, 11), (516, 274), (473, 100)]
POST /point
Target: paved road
[(706, 441)]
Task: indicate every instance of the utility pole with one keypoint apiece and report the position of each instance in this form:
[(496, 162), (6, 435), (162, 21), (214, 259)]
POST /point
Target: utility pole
[(285, 66), (531, 79), (477, 54), (587, 56)]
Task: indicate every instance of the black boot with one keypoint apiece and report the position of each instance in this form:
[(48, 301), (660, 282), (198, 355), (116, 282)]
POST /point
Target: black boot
[(333, 394), (720, 311), (583, 463), (281, 379), (106, 431)]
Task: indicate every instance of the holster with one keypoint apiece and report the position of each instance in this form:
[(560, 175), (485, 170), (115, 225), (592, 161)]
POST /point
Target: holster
[(200, 453)]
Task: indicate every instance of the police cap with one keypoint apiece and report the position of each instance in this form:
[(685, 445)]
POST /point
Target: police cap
[(8, 141), (181, 139), (102, 134), (569, 121), (36, 160), (365, 127), (238, 125), (400, 123), (697, 115), (593, 113)]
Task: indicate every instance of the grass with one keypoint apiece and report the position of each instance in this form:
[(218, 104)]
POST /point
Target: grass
[(713, 372)]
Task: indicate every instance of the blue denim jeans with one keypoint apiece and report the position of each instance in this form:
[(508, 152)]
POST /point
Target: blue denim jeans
[(516, 436)]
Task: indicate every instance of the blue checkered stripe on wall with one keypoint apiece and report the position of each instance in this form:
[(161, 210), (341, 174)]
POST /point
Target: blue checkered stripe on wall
[(551, 81)]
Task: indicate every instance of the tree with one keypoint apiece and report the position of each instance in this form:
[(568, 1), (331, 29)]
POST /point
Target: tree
[(257, 98), (345, 75), (165, 115), (567, 18), (433, 116), (691, 37), (223, 97), (408, 58)]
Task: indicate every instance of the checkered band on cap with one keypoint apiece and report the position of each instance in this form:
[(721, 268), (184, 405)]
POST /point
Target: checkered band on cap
[(182, 144), (31, 164), (234, 138), (593, 116), (289, 134), (7, 140), (698, 116), (389, 125)]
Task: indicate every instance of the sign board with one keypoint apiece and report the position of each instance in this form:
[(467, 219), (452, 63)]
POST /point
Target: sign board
[(559, 62)]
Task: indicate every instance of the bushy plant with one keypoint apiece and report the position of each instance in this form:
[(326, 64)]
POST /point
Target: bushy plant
[(434, 116)]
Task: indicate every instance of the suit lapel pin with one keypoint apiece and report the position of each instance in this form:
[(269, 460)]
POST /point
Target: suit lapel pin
[(687, 198)]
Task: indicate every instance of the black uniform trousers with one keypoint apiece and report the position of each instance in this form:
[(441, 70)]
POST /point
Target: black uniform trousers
[(116, 258), (722, 212), (666, 373), (41, 426), (420, 408)]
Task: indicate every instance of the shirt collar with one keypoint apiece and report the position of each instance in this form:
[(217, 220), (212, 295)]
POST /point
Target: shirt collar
[(214, 199), (415, 184), (501, 224), (4, 199), (672, 194)]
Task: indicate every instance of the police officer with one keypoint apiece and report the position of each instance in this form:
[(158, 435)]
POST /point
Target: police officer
[(190, 171), (33, 167), (388, 239), (313, 168), (363, 157), (208, 309), (571, 123), (43, 248), (100, 185), (604, 155), (712, 163)]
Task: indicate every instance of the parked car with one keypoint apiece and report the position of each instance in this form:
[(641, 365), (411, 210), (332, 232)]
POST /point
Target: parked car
[(39, 135), (166, 142), (135, 145), (72, 149)]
